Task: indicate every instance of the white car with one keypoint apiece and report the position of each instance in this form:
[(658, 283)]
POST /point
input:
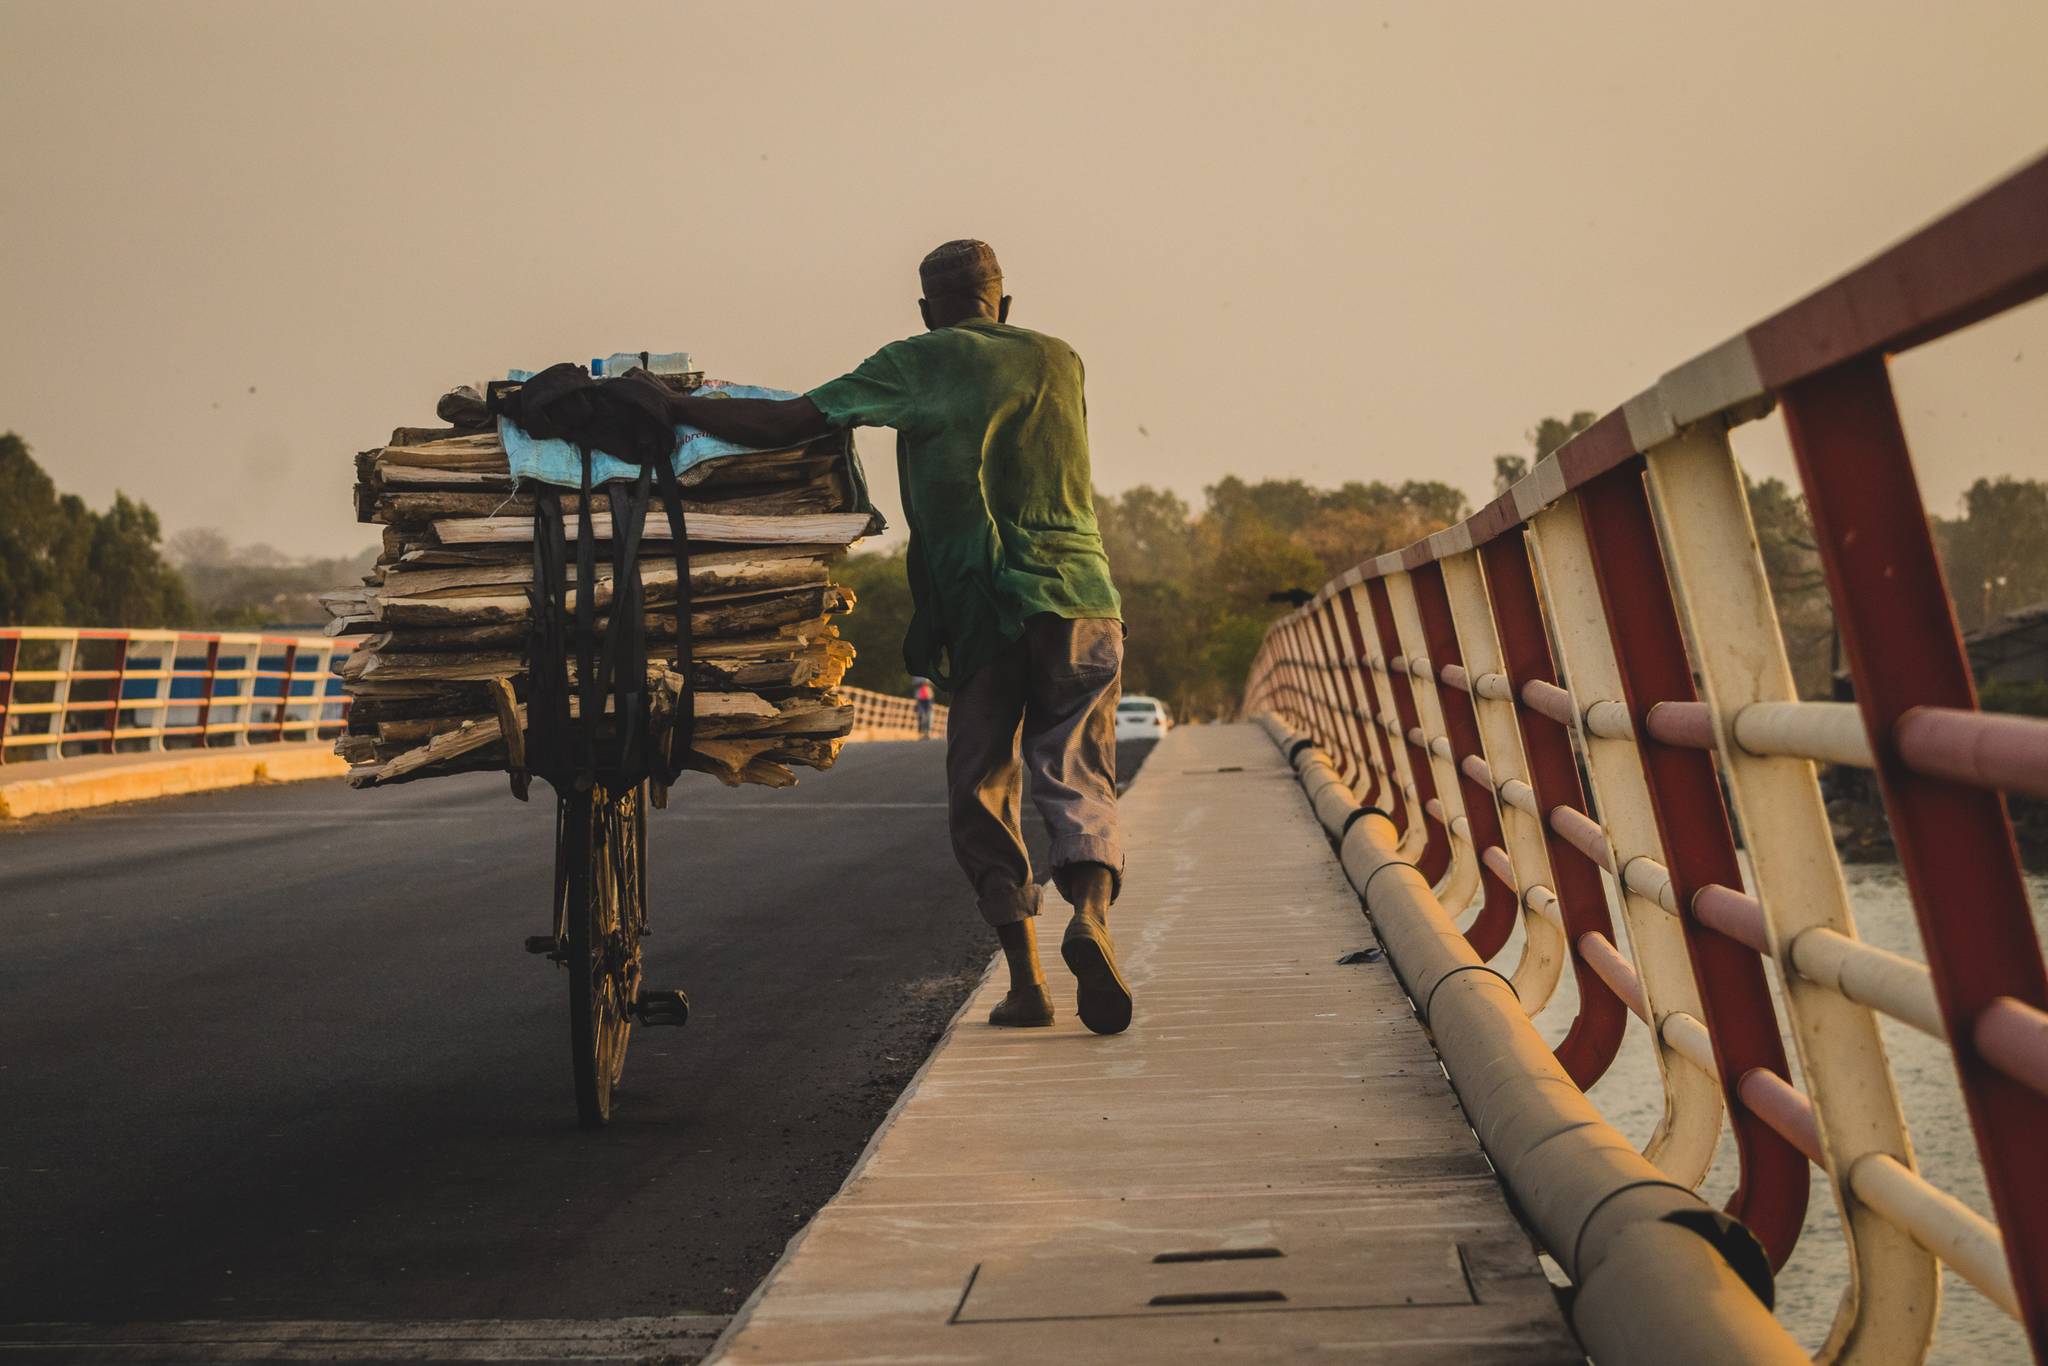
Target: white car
[(1142, 718)]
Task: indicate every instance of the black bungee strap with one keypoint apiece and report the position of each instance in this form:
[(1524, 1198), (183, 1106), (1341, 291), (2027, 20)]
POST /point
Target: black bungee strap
[(611, 666)]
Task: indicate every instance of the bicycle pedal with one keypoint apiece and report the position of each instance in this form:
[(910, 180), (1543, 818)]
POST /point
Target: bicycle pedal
[(662, 1008), (542, 943)]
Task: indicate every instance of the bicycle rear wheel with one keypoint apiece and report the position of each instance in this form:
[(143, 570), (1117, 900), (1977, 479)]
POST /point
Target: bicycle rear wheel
[(600, 870)]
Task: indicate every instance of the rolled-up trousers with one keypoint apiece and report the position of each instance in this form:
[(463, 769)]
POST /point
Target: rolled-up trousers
[(1047, 701)]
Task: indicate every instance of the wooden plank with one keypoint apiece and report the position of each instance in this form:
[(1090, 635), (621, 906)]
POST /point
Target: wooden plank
[(826, 528)]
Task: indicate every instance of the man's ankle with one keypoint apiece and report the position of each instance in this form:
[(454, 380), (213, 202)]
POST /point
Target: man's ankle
[(1088, 888)]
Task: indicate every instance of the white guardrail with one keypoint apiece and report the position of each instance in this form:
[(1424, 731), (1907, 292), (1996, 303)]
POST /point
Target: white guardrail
[(67, 692), (885, 716)]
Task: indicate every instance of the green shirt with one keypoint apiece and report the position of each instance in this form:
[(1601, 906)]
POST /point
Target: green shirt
[(992, 450)]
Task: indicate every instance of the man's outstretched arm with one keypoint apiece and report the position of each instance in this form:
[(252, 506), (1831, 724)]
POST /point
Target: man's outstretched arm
[(765, 423)]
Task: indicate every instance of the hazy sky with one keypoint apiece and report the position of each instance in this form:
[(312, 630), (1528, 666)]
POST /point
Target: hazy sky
[(243, 241)]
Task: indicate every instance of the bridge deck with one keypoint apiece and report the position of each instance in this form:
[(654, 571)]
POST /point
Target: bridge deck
[(1267, 1101)]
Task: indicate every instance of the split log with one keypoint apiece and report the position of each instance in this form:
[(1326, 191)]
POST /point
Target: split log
[(450, 451), (733, 615), (479, 745), (825, 528), (418, 507), (712, 573)]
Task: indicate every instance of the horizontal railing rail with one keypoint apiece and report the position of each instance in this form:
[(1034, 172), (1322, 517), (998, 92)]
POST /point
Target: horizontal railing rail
[(69, 691), (1576, 698), (72, 691), (888, 713)]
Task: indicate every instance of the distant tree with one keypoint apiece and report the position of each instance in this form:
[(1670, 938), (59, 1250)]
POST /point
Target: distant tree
[(1552, 432), (1996, 554), (61, 564), (259, 585), (1147, 534), (1165, 653), (199, 548), (1806, 618), (1279, 503), (126, 582), (1508, 470), (33, 577), (1358, 521), (1244, 566), (879, 620)]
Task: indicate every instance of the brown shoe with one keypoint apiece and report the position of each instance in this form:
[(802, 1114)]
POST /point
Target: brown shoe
[(1027, 1009), (1103, 998)]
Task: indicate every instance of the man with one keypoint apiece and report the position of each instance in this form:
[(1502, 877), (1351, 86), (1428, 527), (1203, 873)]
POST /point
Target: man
[(1015, 611), (926, 700)]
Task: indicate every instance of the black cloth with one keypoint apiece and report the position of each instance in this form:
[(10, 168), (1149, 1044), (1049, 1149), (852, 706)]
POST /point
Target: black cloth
[(626, 416)]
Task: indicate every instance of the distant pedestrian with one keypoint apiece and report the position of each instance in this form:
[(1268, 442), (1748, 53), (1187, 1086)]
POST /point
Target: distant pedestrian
[(1015, 611), (925, 701)]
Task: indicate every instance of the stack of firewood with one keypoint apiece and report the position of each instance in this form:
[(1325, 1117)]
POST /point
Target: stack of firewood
[(438, 673)]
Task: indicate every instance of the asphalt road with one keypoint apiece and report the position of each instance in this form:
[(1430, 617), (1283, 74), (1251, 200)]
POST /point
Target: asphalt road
[(279, 1052)]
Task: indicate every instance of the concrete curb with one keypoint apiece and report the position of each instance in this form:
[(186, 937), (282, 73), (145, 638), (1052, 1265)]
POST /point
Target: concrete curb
[(166, 776), (717, 1350)]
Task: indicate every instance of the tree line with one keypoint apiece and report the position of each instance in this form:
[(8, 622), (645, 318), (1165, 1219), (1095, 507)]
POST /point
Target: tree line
[(64, 564), (1197, 582)]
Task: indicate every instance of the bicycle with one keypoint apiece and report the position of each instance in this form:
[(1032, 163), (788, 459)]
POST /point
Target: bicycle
[(600, 919)]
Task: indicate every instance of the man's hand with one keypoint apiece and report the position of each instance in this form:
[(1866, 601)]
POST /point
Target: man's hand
[(766, 423)]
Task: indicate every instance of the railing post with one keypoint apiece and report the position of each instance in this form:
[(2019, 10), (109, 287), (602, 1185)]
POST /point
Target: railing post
[(1955, 841), (1595, 1035), (1304, 694), (1488, 933), (1684, 1142), (1692, 823), (1349, 737), (1543, 948), (124, 642), (10, 661), (1322, 665), (1462, 878), (1282, 639), (1888, 1309), (1395, 798), (167, 666), (206, 690), (1344, 754), (1367, 785), (1436, 857)]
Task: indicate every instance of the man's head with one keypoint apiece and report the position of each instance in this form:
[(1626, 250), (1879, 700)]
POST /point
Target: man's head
[(961, 280)]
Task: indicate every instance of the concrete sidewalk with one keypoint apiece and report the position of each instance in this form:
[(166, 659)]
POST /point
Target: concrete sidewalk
[(51, 785), (1270, 1164)]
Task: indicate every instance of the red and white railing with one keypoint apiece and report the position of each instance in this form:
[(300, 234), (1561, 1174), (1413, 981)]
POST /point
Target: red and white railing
[(1608, 619), (67, 691)]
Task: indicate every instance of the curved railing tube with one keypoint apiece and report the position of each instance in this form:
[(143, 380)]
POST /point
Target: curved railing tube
[(1610, 615)]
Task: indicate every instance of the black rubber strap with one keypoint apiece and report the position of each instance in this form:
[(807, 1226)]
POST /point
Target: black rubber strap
[(686, 706), (591, 700), (1454, 972), (547, 691), (1358, 814), (624, 671)]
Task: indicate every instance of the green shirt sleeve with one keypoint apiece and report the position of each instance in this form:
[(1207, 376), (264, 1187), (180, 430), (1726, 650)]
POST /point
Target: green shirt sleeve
[(875, 394)]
